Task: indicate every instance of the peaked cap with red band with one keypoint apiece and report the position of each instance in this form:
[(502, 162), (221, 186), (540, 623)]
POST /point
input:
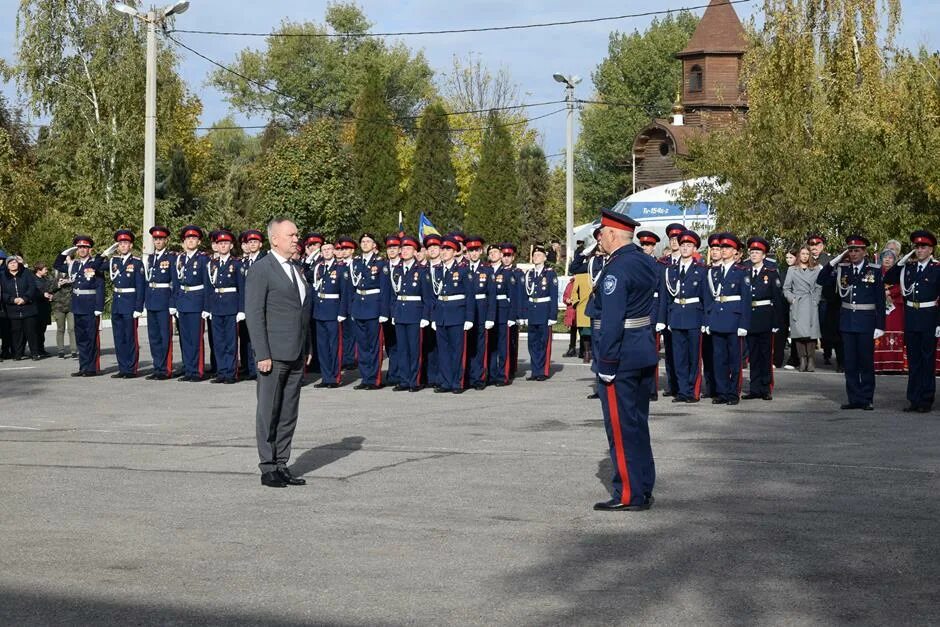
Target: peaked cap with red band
[(675, 229), (450, 242), (924, 238), (392, 240), (729, 240), (123, 235), (758, 243), (619, 221), (856, 241), (223, 235), (691, 237), (507, 248), (83, 240), (159, 231), (714, 240), (815, 239), (432, 240), (474, 242), (407, 240), (191, 230), (647, 237), (251, 235), (312, 238)]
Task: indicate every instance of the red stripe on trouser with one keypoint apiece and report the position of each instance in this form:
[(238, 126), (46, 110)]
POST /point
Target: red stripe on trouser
[(202, 346), (378, 375), (486, 356), (508, 352), (463, 363), (548, 352), (740, 364), (656, 375), (698, 372), (771, 363), (339, 353), (625, 493), (97, 343), (236, 350), (420, 354), (136, 346), (169, 349)]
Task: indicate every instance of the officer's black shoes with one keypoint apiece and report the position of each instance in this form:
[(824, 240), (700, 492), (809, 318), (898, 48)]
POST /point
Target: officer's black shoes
[(416, 388), (538, 377), (691, 400), (230, 381), (399, 388), (667, 393), (479, 387), (654, 396), (251, 377), (867, 407), (750, 396), (273, 480), (290, 479), (767, 397), (502, 384), (80, 373), (36, 357), (74, 355), (117, 375), (361, 386), (441, 390), (218, 380), (570, 353), (158, 376), (61, 355), (614, 505), (718, 401), (679, 399), (910, 409), (923, 409), (373, 386), (733, 400), (458, 390)]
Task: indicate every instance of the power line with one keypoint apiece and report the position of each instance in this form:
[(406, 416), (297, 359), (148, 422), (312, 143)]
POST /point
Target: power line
[(452, 31)]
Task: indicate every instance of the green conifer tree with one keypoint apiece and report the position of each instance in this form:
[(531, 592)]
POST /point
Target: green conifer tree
[(493, 205), (433, 185)]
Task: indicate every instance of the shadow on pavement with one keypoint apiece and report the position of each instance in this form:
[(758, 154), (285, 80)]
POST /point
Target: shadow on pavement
[(326, 454)]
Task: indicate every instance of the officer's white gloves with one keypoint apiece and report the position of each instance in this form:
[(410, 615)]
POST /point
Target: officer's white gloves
[(393, 321), (467, 325), (835, 260), (173, 312), (138, 314), (423, 323), (937, 332), (206, 315), (707, 330), (110, 250), (607, 378), (878, 333), (488, 325), (659, 327), (310, 258), (906, 257), (522, 322), (240, 316), (774, 330), (97, 313), (69, 251), (340, 318), (434, 326), (383, 318), (742, 332), (510, 323)]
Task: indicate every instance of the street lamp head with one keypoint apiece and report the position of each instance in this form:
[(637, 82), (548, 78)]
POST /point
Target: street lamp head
[(123, 8), (176, 8), (560, 78), (574, 80)]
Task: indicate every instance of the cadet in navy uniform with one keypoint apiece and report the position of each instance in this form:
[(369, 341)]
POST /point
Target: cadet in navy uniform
[(411, 313), (708, 353), (539, 312), (127, 305), (159, 267), (453, 315), (343, 251), (86, 274), (389, 337), (861, 319), (766, 316), (506, 314), (252, 240), (312, 255), (683, 297), (727, 319), (919, 279), (369, 308), (626, 360), (484, 313), (225, 303), (671, 258), (330, 281), (647, 241), (189, 286), (431, 368)]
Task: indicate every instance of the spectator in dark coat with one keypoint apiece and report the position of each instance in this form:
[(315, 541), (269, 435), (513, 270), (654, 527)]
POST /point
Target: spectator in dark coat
[(18, 286), (43, 305)]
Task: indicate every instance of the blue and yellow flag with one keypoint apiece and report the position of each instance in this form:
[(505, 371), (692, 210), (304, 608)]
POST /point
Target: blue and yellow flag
[(425, 227)]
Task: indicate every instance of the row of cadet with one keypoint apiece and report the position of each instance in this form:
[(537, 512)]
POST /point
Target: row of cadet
[(710, 316), (446, 311)]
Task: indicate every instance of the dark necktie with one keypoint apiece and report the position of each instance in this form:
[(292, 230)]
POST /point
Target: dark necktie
[(682, 273), (855, 270)]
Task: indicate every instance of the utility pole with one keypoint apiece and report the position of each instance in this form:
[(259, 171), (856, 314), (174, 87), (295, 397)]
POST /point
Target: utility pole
[(569, 82)]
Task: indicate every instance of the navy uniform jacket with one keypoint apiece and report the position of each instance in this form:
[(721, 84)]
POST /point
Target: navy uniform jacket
[(413, 296), (918, 288), (624, 293), (225, 287), (330, 280), (730, 299), (87, 283), (766, 300), (370, 296), (159, 294), (447, 283), (189, 282), (484, 293), (247, 262), (863, 296), (506, 294), (540, 296), (127, 281), (682, 303)]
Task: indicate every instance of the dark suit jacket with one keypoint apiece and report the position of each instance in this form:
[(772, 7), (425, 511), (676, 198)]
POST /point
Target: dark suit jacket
[(277, 321)]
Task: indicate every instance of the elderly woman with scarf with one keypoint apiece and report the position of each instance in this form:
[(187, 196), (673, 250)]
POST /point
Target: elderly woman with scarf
[(19, 293)]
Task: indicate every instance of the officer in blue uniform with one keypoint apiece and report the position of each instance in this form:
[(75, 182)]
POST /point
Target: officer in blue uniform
[(389, 335), (506, 313), (452, 311), (484, 312), (127, 305), (766, 317), (431, 372), (708, 353), (647, 240), (671, 258), (861, 318), (252, 241), (330, 281), (727, 319), (345, 247), (86, 274), (918, 274), (369, 308), (312, 256), (189, 294), (411, 313), (225, 303), (626, 360), (683, 297), (540, 312), (159, 267)]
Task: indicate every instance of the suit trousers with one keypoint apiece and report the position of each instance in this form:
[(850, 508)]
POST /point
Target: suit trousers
[(626, 404), (89, 344), (727, 349), (330, 350), (160, 335), (126, 346), (859, 365), (760, 352), (687, 361), (278, 393), (921, 361)]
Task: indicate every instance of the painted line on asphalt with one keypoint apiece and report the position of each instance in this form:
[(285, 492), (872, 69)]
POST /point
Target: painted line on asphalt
[(18, 368), (18, 427)]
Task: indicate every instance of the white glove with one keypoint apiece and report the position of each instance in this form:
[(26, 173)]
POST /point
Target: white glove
[(659, 327), (708, 330), (774, 330), (393, 321), (423, 323), (383, 319), (937, 332), (789, 340), (340, 318), (488, 325), (240, 316), (97, 313), (607, 378), (878, 333), (69, 251), (835, 260), (206, 315), (742, 332), (467, 325), (669, 326), (138, 314), (173, 312), (434, 326), (510, 323), (523, 322), (110, 250), (310, 258), (906, 257)]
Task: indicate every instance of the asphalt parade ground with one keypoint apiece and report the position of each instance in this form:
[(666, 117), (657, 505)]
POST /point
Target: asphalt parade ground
[(139, 502)]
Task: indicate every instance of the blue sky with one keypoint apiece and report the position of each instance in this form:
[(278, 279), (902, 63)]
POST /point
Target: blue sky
[(530, 56)]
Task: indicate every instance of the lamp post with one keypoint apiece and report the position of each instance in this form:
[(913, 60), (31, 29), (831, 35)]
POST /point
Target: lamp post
[(569, 82), (152, 18)]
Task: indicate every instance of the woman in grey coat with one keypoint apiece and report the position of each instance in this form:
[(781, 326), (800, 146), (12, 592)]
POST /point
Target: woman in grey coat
[(803, 294)]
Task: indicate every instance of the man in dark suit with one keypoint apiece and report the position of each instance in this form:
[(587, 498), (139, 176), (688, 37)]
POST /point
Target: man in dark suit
[(277, 312)]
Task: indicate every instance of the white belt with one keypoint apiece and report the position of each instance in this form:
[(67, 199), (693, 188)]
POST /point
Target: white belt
[(858, 307), (124, 290), (155, 286), (502, 297), (85, 292), (191, 288), (687, 301), (323, 296), (444, 299), (368, 292), (410, 299), (636, 323), (728, 299), (761, 303), (925, 305), (480, 296), (544, 299), (225, 290)]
